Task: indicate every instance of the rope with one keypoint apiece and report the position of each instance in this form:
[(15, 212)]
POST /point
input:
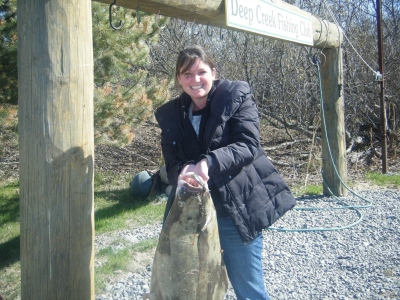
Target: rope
[(344, 205), (376, 73)]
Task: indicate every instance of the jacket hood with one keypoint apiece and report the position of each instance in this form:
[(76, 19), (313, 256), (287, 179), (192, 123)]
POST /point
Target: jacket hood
[(226, 100)]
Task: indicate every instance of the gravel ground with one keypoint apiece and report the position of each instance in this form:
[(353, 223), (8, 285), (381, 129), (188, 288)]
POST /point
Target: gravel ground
[(351, 253)]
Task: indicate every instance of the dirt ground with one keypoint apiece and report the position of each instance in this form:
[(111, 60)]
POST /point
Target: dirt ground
[(299, 162)]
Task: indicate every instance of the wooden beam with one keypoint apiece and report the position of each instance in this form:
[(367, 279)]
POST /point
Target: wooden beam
[(332, 87), (212, 12), (55, 97)]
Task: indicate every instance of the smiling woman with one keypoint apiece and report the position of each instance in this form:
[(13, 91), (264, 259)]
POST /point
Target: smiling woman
[(212, 131), (196, 75)]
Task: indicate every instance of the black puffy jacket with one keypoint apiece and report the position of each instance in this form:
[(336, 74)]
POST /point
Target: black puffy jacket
[(252, 191)]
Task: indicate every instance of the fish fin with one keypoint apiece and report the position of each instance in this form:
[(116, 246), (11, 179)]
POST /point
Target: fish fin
[(206, 223)]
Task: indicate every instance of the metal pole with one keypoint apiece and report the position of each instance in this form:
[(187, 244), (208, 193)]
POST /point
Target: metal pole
[(382, 87)]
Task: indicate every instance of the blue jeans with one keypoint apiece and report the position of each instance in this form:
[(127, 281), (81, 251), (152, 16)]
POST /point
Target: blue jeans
[(243, 262)]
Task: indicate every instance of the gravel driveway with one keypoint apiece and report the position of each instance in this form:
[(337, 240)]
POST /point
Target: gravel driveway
[(351, 253)]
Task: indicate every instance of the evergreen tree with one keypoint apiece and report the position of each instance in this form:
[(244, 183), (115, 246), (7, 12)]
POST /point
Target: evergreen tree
[(8, 52), (125, 91)]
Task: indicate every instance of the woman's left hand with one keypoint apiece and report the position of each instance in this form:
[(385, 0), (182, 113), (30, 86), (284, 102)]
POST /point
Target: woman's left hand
[(201, 169)]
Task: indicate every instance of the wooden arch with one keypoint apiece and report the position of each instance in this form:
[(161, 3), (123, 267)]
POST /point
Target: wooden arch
[(55, 69)]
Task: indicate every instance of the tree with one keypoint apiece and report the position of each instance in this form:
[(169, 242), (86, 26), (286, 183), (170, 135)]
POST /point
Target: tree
[(8, 52), (280, 73), (283, 77), (134, 67), (125, 91)]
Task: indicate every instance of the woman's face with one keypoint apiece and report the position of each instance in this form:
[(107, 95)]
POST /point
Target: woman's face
[(197, 82)]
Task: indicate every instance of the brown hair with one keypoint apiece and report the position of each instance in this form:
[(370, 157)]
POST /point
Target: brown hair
[(188, 56)]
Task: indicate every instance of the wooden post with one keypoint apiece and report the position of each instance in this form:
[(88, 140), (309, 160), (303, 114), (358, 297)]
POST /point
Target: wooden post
[(332, 87), (55, 70), (382, 87)]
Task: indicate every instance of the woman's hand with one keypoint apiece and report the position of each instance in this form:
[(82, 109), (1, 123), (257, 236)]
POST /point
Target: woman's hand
[(201, 169)]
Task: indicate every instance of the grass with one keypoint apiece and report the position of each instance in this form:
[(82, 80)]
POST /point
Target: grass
[(9, 241), (116, 262), (375, 178), (115, 209), (308, 190), (392, 180)]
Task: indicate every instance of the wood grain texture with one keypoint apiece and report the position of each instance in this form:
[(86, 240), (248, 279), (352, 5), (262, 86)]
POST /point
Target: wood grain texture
[(55, 69), (332, 85), (212, 12)]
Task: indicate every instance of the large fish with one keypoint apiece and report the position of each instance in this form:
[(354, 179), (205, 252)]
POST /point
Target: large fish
[(188, 262)]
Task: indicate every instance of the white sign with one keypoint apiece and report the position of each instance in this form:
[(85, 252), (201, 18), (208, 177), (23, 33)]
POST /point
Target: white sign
[(266, 18)]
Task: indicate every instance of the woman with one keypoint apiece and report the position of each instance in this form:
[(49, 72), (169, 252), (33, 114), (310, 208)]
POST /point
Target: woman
[(212, 129)]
